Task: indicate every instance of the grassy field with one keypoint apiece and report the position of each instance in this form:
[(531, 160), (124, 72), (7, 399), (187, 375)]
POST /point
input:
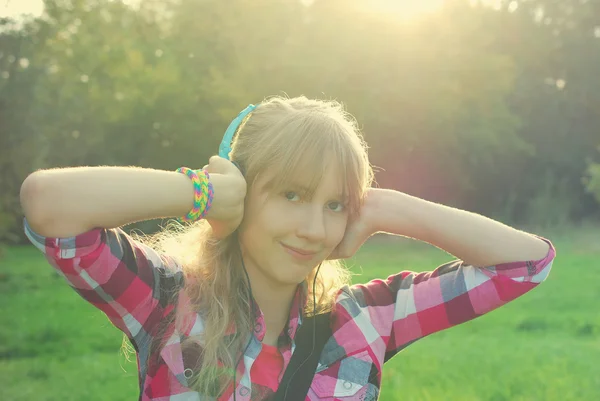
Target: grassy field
[(543, 346)]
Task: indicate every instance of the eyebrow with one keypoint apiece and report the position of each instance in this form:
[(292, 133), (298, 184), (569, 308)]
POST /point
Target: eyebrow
[(305, 189)]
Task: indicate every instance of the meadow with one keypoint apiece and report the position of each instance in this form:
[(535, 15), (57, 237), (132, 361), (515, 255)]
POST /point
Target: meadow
[(543, 346)]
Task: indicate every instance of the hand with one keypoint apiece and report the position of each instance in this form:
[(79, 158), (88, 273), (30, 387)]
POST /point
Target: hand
[(359, 229), (229, 186)]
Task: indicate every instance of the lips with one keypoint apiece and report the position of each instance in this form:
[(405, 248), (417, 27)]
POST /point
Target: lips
[(299, 250)]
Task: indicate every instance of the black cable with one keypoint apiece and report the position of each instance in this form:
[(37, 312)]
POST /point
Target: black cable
[(314, 331), (253, 318)]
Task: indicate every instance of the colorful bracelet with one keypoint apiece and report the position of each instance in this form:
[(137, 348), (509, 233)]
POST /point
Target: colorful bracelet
[(203, 194), (210, 193)]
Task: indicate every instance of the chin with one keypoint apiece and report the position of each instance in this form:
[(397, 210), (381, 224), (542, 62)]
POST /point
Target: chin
[(291, 280), (292, 277)]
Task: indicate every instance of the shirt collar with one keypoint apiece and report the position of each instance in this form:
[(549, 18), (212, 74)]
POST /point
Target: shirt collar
[(294, 318), (296, 310)]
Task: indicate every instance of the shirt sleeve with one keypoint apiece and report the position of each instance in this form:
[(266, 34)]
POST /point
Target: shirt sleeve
[(407, 306), (127, 280)]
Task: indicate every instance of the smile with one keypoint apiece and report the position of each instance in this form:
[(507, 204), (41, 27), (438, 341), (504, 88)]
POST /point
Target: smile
[(298, 253)]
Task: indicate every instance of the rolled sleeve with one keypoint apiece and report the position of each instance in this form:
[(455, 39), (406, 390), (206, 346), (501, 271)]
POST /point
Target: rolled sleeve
[(65, 248), (408, 306), (127, 280)]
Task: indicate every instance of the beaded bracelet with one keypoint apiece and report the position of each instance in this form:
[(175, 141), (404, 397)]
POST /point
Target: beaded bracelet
[(203, 194)]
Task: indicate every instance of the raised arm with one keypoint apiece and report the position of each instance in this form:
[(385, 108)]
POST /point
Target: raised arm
[(496, 264), (70, 201), (66, 202), (475, 239), (73, 215)]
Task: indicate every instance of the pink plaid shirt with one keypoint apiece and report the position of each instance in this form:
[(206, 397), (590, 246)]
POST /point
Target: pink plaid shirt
[(370, 323)]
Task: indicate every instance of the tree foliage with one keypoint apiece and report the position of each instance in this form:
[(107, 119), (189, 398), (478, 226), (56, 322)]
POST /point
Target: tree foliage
[(492, 109)]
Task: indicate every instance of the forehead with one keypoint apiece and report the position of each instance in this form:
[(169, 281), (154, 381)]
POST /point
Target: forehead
[(329, 180)]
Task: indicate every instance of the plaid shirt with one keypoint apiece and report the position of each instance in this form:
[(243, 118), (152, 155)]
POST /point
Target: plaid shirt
[(371, 322)]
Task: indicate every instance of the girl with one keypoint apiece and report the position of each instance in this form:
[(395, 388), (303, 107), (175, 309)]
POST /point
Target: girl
[(214, 308)]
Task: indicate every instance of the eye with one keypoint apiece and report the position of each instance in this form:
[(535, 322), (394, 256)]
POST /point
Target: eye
[(340, 206), (289, 195)]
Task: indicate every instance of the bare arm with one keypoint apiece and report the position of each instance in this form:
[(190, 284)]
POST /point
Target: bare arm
[(70, 201), (475, 239)]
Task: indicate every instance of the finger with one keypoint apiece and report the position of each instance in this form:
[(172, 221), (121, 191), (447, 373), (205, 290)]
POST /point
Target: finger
[(220, 165), (332, 256), (338, 252)]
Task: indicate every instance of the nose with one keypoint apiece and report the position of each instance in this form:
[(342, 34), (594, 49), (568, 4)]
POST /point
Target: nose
[(312, 224)]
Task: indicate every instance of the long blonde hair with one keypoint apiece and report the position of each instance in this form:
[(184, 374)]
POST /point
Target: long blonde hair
[(288, 135)]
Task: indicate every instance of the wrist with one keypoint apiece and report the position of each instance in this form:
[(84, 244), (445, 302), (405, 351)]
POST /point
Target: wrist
[(398, 213), (203, 194), (379, 206)]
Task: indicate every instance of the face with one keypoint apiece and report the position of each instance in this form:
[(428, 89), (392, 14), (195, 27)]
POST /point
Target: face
[(275, 222)]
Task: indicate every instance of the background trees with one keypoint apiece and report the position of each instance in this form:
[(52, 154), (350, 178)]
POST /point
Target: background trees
[(493, 109)]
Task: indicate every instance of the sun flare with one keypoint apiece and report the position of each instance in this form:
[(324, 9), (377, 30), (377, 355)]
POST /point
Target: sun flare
[(402, 9)]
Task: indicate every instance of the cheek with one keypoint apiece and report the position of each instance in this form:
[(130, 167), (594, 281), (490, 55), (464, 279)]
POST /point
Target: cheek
[(251, 229), (337, 230), (265, 218), (255, 239)]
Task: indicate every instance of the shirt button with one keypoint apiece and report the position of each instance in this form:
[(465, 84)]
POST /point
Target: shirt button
[(347, 385), (244, 391)]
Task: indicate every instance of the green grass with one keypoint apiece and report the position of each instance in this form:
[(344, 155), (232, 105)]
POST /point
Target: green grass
[(543, 346)]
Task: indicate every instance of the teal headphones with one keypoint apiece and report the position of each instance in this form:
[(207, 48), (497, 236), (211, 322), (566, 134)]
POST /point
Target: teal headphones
[(225, 146)]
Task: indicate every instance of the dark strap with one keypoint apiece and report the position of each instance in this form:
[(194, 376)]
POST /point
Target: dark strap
[(300, 372)]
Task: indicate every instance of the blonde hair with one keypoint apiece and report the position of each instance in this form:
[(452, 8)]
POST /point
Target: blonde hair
[(289, 135)]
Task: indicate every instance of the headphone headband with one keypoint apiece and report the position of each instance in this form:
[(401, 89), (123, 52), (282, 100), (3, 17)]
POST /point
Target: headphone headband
[(225, 146)]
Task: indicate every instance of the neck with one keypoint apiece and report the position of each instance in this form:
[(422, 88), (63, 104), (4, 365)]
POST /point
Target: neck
[(273, 298), (275, 306)]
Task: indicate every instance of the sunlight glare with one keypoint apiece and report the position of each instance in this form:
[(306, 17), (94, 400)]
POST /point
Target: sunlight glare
[(402, 9), (13, 8)]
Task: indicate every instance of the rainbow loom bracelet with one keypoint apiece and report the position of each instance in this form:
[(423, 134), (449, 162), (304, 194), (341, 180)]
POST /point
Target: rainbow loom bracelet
[(210, 194), (200, 194)]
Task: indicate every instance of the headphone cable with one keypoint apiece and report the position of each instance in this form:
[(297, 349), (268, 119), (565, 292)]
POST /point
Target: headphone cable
[(314, 331)]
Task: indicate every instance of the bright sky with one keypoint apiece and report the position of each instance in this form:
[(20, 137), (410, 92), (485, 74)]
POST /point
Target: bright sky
[(403, 8), (12, 8)]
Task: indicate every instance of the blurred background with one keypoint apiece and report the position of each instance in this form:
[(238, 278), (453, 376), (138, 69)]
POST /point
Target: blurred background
[(490, 106)]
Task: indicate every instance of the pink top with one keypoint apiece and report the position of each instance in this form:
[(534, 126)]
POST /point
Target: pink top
[(267, 368)]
